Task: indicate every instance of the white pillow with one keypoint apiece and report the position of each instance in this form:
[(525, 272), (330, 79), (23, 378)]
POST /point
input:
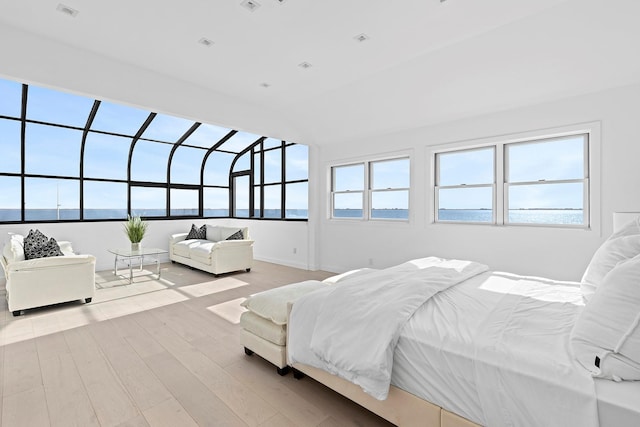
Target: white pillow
[(272, 304), (620, 246), (14, 249), (606, 336)]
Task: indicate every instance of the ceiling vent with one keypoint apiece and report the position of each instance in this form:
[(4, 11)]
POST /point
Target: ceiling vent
[(305, 65), (265, 85), (361, 38), (250, 5), (205, 41), (69, 11)]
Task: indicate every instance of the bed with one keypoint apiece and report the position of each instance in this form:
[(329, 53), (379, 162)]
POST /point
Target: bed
[(492, 348)]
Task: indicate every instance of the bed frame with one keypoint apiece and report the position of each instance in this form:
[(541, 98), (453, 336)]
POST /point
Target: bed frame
[(401, 407)]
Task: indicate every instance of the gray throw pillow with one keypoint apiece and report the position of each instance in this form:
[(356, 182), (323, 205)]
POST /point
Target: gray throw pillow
[(236, 236), (197, 233)]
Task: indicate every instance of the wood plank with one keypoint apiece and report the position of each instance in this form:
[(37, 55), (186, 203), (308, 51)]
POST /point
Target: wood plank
[(67, 399), (26, 408), (144, 387), (261, 376), (200, 402), (109, 397), (22, 372), (240, 398), (170, 413)]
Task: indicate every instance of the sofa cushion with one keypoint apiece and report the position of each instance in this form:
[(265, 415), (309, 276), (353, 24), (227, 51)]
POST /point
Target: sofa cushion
[(236, 236), (183, 247), (202, 251), (33, 244), (197, 233)]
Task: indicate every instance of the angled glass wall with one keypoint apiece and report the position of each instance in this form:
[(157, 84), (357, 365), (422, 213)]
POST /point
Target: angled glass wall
[(67, 157)]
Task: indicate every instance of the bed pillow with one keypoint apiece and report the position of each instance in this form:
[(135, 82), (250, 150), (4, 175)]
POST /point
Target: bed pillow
[(197, 233), (606, 336), (620, 246)]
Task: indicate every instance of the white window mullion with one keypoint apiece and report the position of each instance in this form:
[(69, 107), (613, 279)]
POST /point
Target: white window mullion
[(500, 202)]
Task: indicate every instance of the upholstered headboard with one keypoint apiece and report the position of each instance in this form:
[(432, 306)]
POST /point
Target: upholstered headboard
[(622, 218)]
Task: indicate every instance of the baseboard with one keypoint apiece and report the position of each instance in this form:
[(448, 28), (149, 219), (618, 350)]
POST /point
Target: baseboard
[(287, 263)]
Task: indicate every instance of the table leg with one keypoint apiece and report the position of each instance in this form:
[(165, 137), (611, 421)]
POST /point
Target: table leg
[(115, 266), (130, 270), (158, 266)]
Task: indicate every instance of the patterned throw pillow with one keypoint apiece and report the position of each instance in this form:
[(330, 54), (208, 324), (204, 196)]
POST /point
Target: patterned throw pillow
[(32, 244), (197, 233), (236, 236), (51, 248)]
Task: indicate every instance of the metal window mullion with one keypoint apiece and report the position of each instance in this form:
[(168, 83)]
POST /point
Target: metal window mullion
[(23, 132)]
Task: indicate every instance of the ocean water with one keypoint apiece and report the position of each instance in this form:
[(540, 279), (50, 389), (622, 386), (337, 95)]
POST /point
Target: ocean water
[(516, 216), (7, 215), (531, 216)]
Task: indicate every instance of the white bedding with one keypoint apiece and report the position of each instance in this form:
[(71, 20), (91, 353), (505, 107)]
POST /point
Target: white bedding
[(493, 349), (375, 306)]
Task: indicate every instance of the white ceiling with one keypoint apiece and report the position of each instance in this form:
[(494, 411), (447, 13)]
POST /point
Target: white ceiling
[(425, 62)]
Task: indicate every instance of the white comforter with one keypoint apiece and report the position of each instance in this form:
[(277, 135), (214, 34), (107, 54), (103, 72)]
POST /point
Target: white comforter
[(359, 319)]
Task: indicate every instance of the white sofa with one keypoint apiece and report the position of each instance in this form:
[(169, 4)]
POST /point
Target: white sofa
[(214, 254), (44, 281)]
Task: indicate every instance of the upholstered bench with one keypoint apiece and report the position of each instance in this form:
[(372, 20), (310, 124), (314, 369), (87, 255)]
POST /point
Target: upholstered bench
[(264, 325)]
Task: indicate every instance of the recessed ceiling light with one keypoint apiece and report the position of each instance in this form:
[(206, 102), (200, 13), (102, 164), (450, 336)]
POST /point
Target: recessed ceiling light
[(205, 41), (251, 5), (265, 85), (361, 38), (305, 65), (281, 1), (67, 10)]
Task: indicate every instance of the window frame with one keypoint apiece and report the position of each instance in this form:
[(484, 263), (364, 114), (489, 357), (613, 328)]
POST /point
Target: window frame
[(591, 179), (493, 185), (139, 181), (367, 189)]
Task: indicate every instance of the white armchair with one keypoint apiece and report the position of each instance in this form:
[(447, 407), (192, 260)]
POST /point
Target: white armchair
[(45, 281), (214, 254)]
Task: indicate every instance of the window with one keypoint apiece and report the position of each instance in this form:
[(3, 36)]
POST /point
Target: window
[(465, 185), (545, 181), (542, 181), (384, 197), (73, 158)]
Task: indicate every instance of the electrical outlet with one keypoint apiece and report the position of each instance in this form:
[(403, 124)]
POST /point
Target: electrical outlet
[(370, 261), (295, 251)]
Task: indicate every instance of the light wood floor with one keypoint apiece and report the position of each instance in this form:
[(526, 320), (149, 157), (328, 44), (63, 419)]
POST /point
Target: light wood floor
[(157, 353)]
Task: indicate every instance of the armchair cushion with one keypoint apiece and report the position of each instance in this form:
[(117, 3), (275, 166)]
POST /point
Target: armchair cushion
[(13, 249)]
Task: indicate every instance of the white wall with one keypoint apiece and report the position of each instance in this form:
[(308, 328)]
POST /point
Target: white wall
[(550, 252), (274, 240)]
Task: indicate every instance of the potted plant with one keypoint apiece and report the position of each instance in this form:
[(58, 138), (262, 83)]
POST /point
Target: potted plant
[(135, 228)]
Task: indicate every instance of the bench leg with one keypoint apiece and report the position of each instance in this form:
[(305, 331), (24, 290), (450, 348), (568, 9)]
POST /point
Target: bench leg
[(283, 371), (248, 352)]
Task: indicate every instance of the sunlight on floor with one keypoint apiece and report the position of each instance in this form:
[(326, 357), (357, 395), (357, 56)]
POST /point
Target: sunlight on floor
[(230, 310), (115, 297)]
